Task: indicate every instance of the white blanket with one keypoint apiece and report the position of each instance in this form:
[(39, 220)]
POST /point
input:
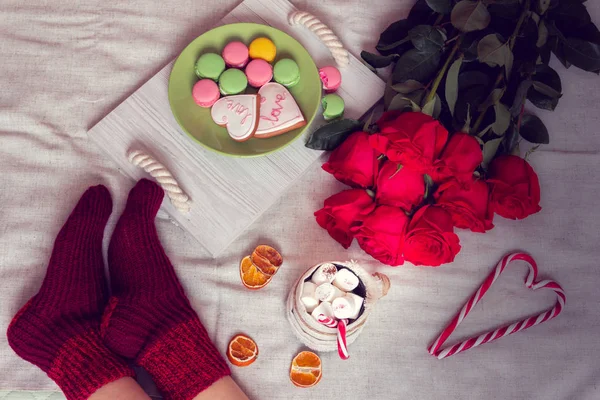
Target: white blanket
[(64, 65)]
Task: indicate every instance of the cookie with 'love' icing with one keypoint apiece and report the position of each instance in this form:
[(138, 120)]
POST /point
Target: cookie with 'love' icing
[(279, 112), (238, 114)]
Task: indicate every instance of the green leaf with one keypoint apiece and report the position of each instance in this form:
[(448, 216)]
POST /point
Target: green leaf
[(582, 54), (331, 135), (395, 38), (452, 84), (541, 100), (489, 151), (520, 96), (467, 126), (440, 6), (543, 6), (542, 34), (428, 185), (468, 46), (388, 93), (420, 13), (369, 125), (492, 51), (377, 61), (408, 86), (417, 96), (433, 107), (546, 89), (502, 121), (416, 65), (533, 130), (511, 141), (426, 38), (469, 15), (401, 102)]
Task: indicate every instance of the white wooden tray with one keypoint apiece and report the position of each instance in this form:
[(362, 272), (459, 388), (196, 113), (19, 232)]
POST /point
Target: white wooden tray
[(228, 193)]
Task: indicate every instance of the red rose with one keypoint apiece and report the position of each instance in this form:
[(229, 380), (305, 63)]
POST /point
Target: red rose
[(459, 159), (402, 188), (467, 203), (342, 211), (381, 234), (413, 140), (430, 239), (514, 187), (354, 162)]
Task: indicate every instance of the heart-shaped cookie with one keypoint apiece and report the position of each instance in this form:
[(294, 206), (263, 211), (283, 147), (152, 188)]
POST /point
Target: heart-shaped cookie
[(279, 112), (530, 282), (239, 114)]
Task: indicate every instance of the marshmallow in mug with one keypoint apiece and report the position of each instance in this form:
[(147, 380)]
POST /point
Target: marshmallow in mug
[(308, 297), (324, 274), (345, 280), (323, 308), (328, 292), (347, 307)]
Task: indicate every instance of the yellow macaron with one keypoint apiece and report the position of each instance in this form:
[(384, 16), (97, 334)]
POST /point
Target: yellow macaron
[(262, 48)]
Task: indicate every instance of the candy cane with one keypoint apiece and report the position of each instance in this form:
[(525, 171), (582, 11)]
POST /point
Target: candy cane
[(341, 339), (530, 282), (327, 321), (180, 200), (325, 35)]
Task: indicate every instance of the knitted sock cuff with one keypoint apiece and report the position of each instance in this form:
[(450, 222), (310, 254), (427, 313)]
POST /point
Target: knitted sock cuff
[(183, 361), (83, 365)]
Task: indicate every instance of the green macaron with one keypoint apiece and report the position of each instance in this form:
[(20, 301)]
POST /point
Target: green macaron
[(333, 106), (232, 81), (286, 72), (209, 65)]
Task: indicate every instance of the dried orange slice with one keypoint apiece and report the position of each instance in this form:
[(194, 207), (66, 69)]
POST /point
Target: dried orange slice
[(267, 259), (306, 369), (251, 276), (242, 351)]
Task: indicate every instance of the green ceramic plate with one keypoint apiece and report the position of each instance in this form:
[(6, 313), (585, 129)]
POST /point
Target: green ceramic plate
[(196, 121)]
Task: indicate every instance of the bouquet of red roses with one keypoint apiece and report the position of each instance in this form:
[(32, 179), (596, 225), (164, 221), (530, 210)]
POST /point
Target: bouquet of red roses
[(413, 183)]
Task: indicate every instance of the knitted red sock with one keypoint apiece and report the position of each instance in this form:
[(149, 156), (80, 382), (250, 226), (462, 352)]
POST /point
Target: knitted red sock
[(149, 318), (58, 329)]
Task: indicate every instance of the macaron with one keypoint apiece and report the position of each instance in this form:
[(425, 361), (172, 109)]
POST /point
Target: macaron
[(209, 65), (205, 93), (235, 54), (286, 72), (232, 81), (262, 48), (331, 78), (259, 72), (333, 106)]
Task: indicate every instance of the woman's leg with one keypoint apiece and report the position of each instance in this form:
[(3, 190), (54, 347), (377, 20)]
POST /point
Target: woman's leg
[(58, 330), (223, 389), (122, 389), (149, 319)]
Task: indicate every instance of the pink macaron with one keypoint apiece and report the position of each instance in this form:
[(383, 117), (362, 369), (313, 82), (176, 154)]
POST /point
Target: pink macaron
[(235, 54), (259, 72), (205, 93), (331, 78)]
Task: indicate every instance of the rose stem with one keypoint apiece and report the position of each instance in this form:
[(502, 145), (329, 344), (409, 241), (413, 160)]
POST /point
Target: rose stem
[(511, 44), (441, 74)]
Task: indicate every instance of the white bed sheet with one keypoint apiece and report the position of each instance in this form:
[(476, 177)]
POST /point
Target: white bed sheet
[(64, 65)]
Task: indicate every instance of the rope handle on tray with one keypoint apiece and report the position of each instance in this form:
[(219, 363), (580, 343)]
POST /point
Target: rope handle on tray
[(165, 179), (325, 35)]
